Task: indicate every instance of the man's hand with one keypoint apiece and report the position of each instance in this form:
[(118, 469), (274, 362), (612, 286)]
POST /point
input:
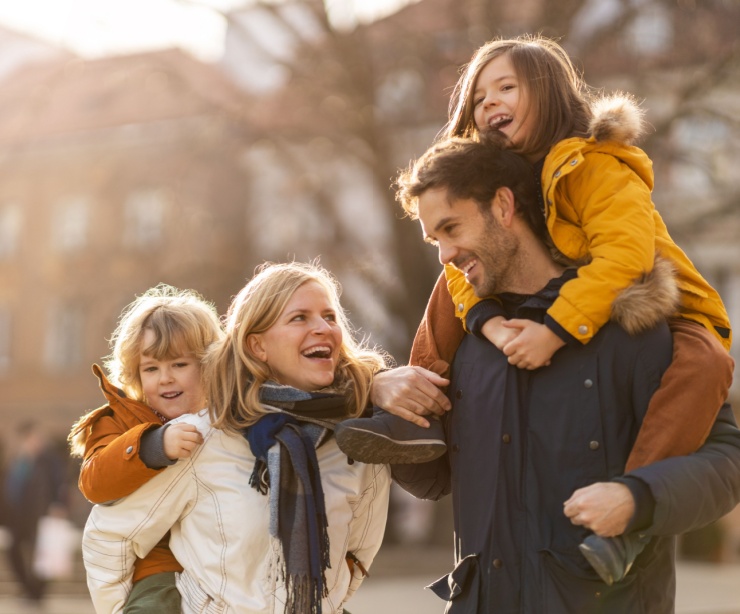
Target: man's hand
[(533, 345), (180, 440), (498, 334), (605, 507), (411, 393)]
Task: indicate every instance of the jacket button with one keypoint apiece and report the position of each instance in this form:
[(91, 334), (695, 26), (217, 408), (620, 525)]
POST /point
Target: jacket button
[(461, 307), (582, 329), (557, 174), (588, 383), (498, 563), (573, 162), (594, 445), (455, 447), (129, 449), (506, 438), (458, 394)]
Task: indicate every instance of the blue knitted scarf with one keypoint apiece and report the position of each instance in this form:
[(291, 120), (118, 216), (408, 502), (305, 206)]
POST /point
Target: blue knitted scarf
[(284, 444)]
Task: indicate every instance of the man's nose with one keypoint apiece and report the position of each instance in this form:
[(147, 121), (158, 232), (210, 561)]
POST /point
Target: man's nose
[(446, 253)]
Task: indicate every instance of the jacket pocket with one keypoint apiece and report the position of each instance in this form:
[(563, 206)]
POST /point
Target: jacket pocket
[(461, 587), (568, 588), (194, 599)]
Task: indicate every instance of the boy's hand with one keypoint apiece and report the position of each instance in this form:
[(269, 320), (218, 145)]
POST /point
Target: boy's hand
[(533, 346), (180, 440), (495, 331)]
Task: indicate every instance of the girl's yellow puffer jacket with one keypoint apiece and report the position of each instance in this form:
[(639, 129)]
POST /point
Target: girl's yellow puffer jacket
[(599, 210)]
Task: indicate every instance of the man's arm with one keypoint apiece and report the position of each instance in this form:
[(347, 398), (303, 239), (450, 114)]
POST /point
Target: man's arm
[(695, 490), (685, 492)]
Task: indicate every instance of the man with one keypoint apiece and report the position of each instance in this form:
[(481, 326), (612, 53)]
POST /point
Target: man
[(534, 458)]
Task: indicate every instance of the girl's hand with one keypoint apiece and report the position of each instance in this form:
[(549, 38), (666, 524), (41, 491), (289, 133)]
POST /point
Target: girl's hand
[(498, 334), (180, 440), (533, 346)]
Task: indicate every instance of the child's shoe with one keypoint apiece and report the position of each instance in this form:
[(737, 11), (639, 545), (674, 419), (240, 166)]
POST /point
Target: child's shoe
[(612, 557), (388, 439)]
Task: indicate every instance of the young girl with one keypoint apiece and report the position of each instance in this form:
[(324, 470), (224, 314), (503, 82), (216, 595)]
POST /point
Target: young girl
[(155, 365), (267, 515), (595, 188)]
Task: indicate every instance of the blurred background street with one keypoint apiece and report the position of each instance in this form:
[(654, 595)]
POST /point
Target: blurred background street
[(396, 586)]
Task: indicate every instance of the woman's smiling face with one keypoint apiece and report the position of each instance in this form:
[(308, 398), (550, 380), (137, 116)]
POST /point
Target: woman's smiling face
[(302, 348)]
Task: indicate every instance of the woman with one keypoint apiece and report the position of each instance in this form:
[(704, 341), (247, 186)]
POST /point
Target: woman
[(268, 515)]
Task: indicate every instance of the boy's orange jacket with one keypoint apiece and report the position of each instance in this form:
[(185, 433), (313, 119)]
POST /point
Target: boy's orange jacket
[(112, 469)]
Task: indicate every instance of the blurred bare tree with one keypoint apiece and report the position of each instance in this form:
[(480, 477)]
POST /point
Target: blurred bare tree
[(376, 94)]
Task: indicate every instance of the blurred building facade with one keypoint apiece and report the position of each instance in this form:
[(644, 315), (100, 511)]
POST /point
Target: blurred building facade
[(117, 174)]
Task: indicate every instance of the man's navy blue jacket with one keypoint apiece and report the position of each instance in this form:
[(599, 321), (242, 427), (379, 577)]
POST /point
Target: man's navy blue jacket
[(520, 442)]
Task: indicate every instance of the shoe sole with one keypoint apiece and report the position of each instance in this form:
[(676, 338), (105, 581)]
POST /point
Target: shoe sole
[(601, 566), (373, 448)]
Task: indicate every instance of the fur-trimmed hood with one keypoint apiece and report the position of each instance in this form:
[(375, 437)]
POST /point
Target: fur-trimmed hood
[(617, 117), (649, 300)]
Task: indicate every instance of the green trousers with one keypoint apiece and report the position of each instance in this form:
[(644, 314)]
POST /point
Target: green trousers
[(155, 593)]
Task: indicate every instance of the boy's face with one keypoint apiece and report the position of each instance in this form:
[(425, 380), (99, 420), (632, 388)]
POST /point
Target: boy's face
[(172, 386)]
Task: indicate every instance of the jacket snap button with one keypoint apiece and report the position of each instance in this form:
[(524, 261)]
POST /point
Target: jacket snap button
[(588, 383), (455, 447), (594, 445), (557, 174), (582, 329), (573, 162), (461, 307), (506, 438), (458, 394), (498, 563), (129, 449)]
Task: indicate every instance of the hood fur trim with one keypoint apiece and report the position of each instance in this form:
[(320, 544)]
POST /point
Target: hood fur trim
[(649, 300), (617, 117)]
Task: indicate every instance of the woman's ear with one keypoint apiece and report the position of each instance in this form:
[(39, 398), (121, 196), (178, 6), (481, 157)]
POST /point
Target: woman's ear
[(256, 347)]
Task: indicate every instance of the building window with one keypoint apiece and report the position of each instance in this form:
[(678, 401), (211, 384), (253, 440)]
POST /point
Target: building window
[(4, 339), (143, 218), (64, 334), (10, 229), (71, 219)]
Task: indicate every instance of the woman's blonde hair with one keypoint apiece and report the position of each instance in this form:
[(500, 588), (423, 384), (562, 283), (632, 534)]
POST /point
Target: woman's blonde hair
[(559, 99), (183, 323), (234, 375)]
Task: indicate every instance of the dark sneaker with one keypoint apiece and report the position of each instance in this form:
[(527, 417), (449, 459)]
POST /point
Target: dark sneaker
[(388, 439), (612, 557)]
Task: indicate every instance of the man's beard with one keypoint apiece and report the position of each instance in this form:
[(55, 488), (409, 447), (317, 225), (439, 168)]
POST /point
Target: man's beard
[(498, 253)]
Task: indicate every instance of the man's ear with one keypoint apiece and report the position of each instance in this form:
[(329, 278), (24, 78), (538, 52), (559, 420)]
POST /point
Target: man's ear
[(256, 347), (503, 206)]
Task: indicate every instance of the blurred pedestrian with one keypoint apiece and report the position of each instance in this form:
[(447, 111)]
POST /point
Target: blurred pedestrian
[(34, 487)]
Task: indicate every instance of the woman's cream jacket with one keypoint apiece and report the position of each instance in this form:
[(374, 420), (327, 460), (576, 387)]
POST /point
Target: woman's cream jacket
[(219, 528)]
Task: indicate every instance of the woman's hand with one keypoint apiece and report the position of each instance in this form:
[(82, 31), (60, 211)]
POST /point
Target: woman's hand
[(411, 393)]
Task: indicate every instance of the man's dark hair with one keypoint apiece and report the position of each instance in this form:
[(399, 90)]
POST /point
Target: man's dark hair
[(473, 169)]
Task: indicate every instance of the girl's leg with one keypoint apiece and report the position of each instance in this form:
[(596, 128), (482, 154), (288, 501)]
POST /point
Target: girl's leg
[(683, 409), (439, 334)]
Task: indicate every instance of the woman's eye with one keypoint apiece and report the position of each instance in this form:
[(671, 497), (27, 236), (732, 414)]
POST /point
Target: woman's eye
[(330, 317)]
